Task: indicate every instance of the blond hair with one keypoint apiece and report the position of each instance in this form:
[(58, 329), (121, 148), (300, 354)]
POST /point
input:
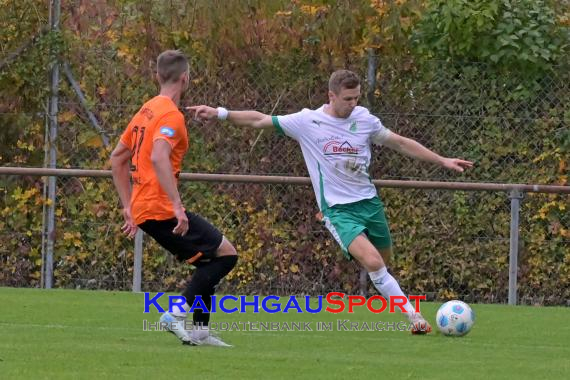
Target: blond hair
[(170, 64), (343, 79)]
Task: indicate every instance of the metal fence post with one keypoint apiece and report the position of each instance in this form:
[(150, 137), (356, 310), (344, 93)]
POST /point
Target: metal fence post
[(55, 12), (137, 266), (515, 196), (83, 102), (371, 77), (45, 194)]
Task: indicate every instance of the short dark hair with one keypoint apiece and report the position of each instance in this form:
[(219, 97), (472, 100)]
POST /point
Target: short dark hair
[(170, 65), (343, 79)]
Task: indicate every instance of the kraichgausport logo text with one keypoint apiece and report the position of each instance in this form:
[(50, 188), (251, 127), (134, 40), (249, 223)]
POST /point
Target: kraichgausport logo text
[(333, 302)]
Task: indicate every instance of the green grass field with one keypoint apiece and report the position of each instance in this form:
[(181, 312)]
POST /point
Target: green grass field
[(68, 334)]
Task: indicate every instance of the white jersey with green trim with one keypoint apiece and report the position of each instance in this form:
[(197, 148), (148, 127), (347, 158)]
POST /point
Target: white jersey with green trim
[(336, 151)]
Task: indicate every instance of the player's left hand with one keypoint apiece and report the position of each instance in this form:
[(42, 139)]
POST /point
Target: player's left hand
[(456, 164), (129, 228), (182, 224)]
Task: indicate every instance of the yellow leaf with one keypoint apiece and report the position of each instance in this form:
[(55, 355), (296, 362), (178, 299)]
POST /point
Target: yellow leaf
[(66, 116), (312, 10), (294, 268), (94, 142)]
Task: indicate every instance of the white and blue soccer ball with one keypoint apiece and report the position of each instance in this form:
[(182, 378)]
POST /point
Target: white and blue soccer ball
[(455, 318)]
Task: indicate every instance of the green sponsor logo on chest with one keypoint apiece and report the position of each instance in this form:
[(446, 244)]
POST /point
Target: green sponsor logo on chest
[(353, 126)]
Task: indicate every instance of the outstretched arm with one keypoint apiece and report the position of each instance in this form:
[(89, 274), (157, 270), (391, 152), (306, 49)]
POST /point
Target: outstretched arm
[(253, 119), (416, 150)]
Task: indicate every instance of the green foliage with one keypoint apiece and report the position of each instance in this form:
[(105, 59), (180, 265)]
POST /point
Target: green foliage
[(23, 79), (21, 236), (520, 34)]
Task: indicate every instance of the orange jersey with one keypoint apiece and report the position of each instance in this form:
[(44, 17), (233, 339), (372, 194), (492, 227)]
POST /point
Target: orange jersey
[(159, 118)]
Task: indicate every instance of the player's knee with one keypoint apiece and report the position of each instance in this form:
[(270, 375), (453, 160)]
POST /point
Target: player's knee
[(226, 249), (373, 262), (377, 264)]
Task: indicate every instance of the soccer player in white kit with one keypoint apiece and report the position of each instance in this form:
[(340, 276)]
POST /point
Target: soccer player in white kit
[(335, 140)]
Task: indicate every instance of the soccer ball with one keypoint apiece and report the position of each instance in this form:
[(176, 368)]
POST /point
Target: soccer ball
[(455, 318)]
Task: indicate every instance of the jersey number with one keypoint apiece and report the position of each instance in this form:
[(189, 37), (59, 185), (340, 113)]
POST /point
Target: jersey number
[(137, 147)]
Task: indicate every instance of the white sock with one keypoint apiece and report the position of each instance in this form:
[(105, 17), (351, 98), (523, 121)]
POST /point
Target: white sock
[(388, 286), (181, 314)]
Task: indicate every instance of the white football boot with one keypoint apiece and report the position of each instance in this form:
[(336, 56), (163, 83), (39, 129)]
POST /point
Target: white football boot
[(175, 325), (203, 337)]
